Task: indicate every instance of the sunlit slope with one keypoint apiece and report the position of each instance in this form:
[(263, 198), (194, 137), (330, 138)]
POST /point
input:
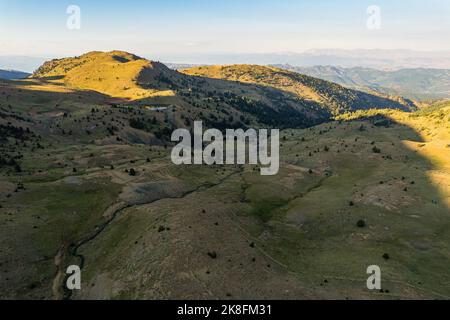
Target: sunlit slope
[(123, 75), (241, 95), (333, 96), (432, 126), (116, 73)]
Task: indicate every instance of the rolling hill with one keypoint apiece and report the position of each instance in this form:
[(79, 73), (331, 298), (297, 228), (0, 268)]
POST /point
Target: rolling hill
[(118, 74), (331, 96), (86, 178), (81, 185), (248, 94)]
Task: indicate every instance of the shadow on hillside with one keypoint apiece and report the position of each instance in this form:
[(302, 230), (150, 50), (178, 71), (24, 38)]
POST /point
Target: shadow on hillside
[(18, 89), (52, 78), (417, 240), (339, 97), (269, 106), (216, 99), (391, 188), (255, 103)]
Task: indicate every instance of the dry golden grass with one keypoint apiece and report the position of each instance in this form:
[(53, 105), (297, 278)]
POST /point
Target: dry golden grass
[(331, 96), (113, 73), (261, 75), (433, 126)]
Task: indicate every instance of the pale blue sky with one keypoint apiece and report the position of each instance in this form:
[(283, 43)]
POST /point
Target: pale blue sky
[(165, 27)]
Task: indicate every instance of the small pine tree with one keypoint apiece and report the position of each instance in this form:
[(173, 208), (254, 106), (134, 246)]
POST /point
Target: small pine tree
[(361, 223), (17, 168)]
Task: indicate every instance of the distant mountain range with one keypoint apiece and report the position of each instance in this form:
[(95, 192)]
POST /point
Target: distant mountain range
[(417, 83), (179, 66), (23, 63), (377, 59), (13, 74)]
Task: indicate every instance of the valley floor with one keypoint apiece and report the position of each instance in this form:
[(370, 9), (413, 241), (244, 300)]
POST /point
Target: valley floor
[(225, 232)]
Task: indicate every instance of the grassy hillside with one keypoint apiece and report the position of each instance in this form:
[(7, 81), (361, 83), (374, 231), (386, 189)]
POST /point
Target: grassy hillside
[(86, 178), (139, 82), (143, 228), (113, 73), (240, 95), (333, 97)]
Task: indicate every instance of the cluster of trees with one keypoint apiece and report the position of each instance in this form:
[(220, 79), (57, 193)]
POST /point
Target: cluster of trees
[(21, 136), (10, 131), (10, 162)]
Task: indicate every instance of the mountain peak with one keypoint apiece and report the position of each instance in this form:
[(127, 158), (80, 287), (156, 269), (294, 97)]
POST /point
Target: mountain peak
[(115, 73), (120, 56)]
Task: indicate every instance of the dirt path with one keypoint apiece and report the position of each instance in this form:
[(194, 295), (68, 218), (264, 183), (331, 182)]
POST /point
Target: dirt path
[(60, 275), (59, 290)]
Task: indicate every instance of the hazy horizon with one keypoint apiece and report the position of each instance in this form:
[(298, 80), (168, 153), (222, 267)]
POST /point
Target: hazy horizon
[(210, 32), (370, 58), (164, 28)]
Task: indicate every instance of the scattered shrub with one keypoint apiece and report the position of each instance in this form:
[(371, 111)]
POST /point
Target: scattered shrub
[(361, 223)]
